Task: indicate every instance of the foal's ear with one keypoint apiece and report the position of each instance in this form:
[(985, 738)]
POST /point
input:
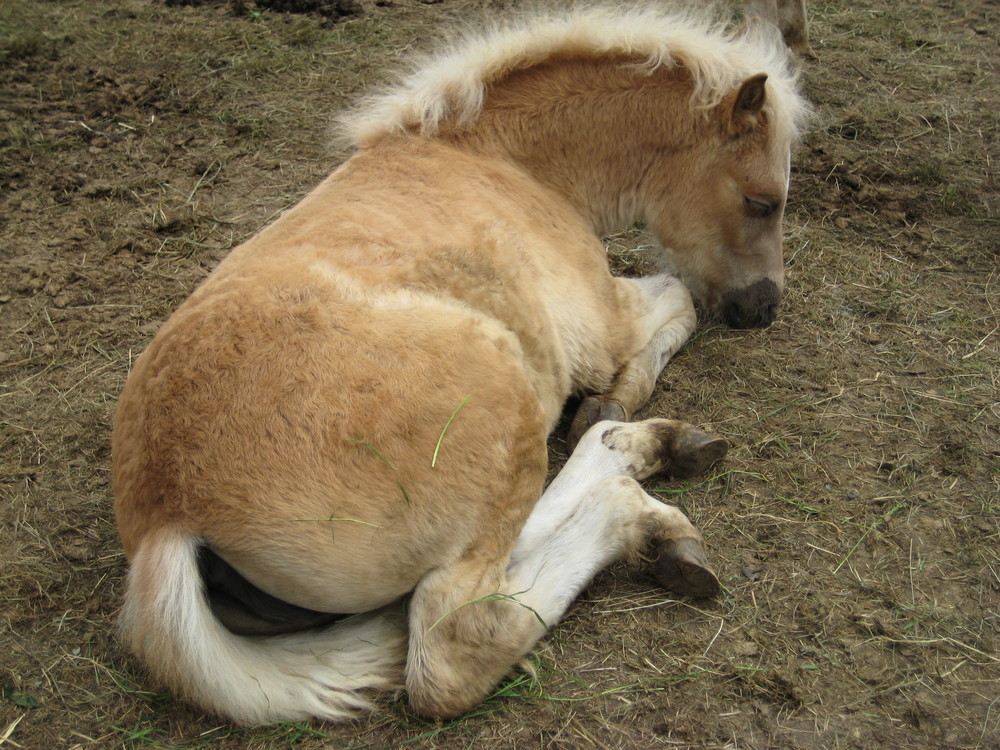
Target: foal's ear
[(743, 106)]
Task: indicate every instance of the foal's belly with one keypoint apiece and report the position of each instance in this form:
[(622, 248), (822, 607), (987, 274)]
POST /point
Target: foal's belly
[(328, 577), (369, 551)]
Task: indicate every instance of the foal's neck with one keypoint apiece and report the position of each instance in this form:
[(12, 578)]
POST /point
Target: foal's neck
[(591, 130)]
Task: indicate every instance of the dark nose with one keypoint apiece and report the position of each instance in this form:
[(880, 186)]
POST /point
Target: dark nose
[(754, 306)]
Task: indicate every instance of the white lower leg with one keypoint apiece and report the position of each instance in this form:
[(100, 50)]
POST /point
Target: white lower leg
[(593, 513), (579, 533)]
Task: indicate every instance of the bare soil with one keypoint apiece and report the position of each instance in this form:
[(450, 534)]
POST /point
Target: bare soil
[(854, 523)]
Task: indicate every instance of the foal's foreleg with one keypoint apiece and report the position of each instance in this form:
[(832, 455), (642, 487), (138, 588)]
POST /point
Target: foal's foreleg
[(668, 322), (471, 621)]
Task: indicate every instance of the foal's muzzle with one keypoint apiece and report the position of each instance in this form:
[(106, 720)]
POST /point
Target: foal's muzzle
[(754, 306)]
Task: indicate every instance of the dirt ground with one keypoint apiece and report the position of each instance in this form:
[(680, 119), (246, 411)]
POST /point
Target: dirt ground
[(854, 522)]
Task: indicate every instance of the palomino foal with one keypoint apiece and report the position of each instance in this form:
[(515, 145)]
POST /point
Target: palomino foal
[(349, 416)]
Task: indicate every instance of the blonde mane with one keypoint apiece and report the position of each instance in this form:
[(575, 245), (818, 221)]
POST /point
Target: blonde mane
[(452, 85)]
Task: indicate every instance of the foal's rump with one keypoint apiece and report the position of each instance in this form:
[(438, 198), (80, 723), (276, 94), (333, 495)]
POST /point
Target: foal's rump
[(317, 442)]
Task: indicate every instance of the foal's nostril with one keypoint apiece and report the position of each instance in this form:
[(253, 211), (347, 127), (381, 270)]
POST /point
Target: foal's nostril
[(755, 306)]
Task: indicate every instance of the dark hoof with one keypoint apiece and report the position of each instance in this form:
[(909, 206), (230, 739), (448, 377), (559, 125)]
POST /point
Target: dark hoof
[(680, 566), (694, 452), (592, 410)]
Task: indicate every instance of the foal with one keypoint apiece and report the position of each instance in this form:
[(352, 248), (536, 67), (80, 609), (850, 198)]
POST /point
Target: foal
[(349, 416)]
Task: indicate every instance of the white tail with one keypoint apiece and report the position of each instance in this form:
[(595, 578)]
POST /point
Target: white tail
[(167, 622)]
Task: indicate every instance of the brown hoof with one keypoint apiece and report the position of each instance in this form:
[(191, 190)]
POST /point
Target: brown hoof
[(592, 410), (694, 452), (680, 566)]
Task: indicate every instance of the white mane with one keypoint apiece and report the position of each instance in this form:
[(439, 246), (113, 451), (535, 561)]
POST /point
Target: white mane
[(452, 85)]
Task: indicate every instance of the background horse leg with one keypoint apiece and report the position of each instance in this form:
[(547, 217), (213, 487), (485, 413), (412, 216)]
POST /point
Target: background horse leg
[(788, 16), (470, 622), (671, 319)]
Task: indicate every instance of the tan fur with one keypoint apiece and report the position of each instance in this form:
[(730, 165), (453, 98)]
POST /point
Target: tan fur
[(288, 412)]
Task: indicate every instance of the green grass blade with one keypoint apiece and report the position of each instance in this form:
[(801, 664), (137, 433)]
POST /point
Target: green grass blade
[(372, 448), (447, 424)]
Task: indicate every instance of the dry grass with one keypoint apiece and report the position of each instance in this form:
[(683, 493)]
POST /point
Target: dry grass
[(854, 523)]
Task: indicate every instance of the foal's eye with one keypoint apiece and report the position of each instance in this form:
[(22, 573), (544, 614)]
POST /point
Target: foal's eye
[(759, 208)]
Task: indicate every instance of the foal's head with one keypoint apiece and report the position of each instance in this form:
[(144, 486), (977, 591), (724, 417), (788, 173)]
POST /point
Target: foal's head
[(718, 207), (702, 144)]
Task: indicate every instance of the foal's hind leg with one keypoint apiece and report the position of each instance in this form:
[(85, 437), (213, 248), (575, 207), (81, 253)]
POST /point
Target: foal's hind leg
[(471, 621), (669, 320)]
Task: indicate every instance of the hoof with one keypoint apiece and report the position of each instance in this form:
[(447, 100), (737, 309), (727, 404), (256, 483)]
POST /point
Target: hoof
[(680, 566), (694, 452), (592, 410)]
